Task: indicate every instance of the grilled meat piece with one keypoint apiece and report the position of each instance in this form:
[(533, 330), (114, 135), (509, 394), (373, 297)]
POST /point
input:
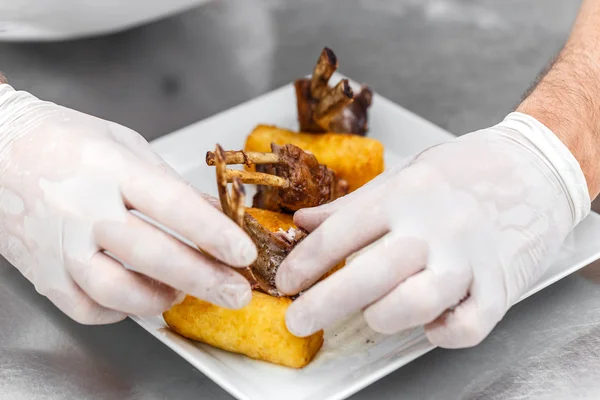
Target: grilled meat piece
[(310, 184), (324, 109), (354, 118), (272, 247), (288, 178)]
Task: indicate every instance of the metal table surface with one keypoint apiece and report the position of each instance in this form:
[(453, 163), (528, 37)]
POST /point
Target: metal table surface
[(459, 63)]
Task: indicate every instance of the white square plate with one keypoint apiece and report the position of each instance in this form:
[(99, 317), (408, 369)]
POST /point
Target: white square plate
[(352, 357)]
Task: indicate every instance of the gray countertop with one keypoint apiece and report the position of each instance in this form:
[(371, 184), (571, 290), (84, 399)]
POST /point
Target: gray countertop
[(459, 63)]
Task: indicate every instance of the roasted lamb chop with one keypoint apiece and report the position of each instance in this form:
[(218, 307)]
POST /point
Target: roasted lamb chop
[(288, 178), (272, 247), (325, 109)]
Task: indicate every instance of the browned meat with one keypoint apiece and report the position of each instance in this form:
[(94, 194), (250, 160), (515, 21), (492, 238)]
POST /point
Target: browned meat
[(324, 109), (288, 179), (272, 247), (354, 117), (310, 184)]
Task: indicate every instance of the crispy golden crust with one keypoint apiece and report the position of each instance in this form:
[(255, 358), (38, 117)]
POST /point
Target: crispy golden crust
[(354, 158), (257, 331)]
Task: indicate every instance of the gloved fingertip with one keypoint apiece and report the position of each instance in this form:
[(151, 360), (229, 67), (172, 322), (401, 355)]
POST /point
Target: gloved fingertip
[(179, 298), (233, 295), (310, 218), (446, 340), (236, 249), (437, 331), (377, 322), (283, 284), (457, 330), (288, 280), (300, 322), (299, 218), (247, 253)]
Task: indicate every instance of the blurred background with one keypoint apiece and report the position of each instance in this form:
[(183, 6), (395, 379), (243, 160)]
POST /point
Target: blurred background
[(459, 63), (462, 64)]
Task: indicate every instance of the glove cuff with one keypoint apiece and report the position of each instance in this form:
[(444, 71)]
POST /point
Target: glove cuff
[(558, 158), (19, 112)]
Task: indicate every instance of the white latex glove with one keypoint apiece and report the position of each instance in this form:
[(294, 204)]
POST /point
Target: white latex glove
[(67, 181), (454, 238)]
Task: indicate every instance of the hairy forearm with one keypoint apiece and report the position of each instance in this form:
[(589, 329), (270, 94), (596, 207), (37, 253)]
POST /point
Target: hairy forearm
[(567, 98)]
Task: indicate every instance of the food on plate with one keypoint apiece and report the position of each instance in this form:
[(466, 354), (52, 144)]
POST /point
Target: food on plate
[(288, 178), (272, 247), (279, 222), (292, 170), (322, 108), (257, 331), (353, 158)]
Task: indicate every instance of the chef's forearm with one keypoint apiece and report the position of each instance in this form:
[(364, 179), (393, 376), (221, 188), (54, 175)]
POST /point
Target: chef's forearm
[(567, 98), (2, 78)]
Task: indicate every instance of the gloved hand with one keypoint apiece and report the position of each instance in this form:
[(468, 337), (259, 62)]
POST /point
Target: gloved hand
[(67, 183), (449, 241)]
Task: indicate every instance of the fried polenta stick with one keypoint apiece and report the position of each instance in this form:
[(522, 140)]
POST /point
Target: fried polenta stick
[(257, 331)]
